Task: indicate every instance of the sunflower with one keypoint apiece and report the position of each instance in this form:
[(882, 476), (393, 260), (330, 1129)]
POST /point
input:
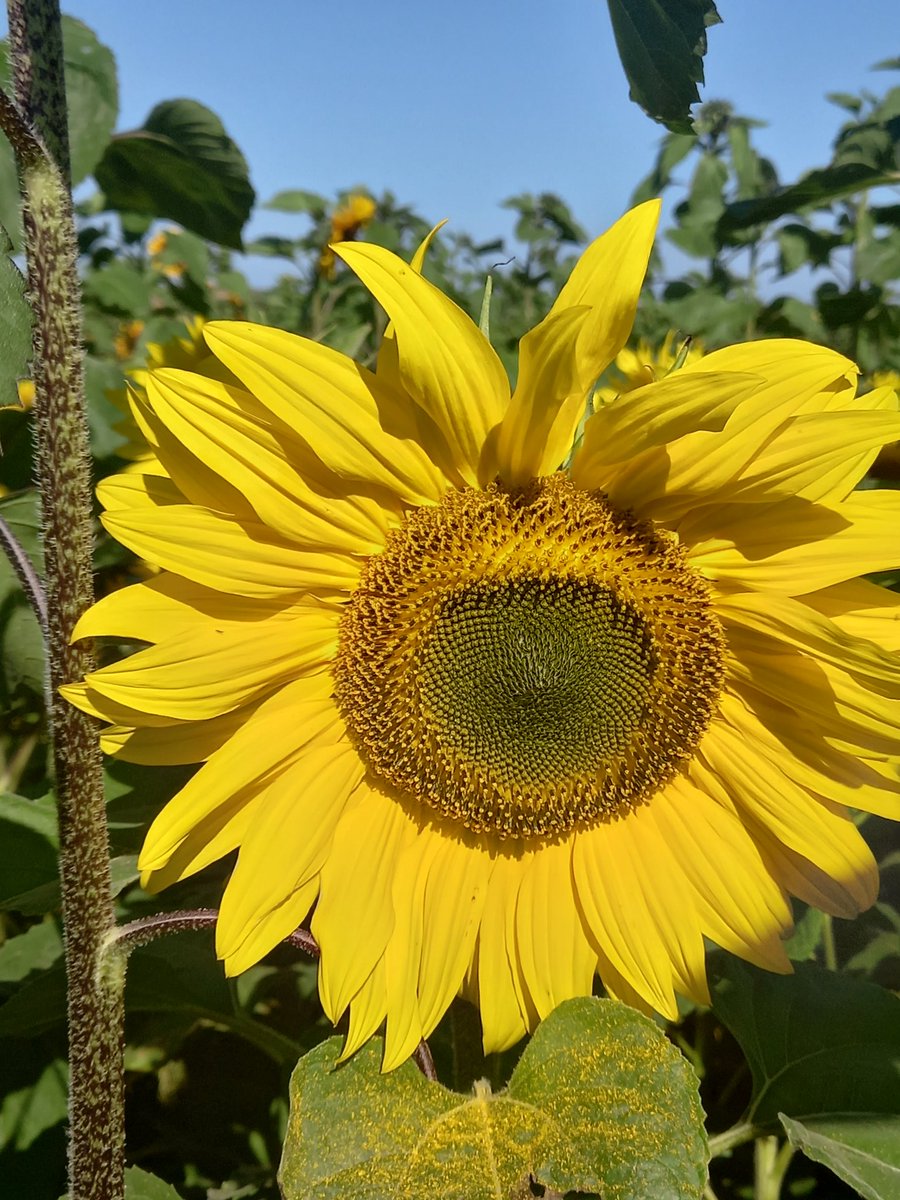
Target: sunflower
[(500, 714)]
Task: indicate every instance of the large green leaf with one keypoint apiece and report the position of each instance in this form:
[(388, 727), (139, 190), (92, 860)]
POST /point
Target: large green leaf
[(181, 164), (661, 44), (93, 101), (818, 1043), (865, 1152), (600, 1103)]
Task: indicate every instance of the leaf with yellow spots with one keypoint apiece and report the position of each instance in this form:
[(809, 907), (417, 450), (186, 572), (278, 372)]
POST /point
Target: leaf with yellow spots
[(600, 1103)]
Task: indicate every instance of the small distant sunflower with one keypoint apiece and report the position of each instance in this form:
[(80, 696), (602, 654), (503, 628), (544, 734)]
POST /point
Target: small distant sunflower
[(645, 364), (347, 220), (498, 720)]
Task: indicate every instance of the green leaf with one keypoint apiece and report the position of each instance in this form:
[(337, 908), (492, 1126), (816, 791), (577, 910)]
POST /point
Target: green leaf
[(295, 200), (817, 1043), (181, 164), (661, 44), (93, 103), (863, 1151), (15, 325), (600, 1102), (141, 1185), (120, 287), (92, 96), (814, 190), (37, 949), (48, 898), (29, 839)]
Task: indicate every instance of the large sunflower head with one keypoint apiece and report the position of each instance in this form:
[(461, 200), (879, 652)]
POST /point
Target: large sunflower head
[(503, 704)]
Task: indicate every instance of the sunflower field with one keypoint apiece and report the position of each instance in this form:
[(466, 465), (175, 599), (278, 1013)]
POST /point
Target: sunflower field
[(450, 706)]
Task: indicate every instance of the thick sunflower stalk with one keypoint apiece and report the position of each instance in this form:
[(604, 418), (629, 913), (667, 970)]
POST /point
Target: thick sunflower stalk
[(35, 123)]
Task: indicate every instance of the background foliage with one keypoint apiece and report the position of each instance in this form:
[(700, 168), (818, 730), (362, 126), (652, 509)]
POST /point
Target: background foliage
[(805, 1060)]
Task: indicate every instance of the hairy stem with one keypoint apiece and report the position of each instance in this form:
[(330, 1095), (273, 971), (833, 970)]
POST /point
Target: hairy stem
[(36, 127)]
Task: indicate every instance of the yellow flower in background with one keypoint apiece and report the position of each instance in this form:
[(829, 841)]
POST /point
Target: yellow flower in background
[(636, 368), (346, 222), (501, 725), (127, 339), (157, 243)]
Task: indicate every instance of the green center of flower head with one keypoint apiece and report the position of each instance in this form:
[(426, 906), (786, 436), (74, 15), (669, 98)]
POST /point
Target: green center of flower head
[(537, 679), (525, 663)]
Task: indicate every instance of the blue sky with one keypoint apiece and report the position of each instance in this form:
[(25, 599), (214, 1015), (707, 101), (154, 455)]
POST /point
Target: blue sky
[(456, 106)]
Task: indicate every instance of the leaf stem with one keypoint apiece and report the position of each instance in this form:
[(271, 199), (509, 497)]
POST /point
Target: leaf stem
[(143, 930), (737, 1135), (28, 577)]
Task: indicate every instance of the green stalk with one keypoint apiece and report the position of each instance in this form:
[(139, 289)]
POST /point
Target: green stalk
[(36, 125)]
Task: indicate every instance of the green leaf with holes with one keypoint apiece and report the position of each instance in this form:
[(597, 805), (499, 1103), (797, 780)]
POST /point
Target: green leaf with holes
[(661, 44), (599, 1103)]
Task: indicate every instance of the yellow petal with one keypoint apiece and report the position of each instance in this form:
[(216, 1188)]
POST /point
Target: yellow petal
[(355, 914), (446, 365), (269, 741), (740, 906), (334, 404), (617, 914), (862, 609), (549, 381), (655, 415), (200, 674), (608, 279), (453, 900), (289, 842), (367, 1011), (556, 956), (276, 925), (235, 557), (814, 828), (234, 434), (506, 1010), (174, 745)]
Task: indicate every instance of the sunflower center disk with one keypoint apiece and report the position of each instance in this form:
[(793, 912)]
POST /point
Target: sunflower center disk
[(524, 663)]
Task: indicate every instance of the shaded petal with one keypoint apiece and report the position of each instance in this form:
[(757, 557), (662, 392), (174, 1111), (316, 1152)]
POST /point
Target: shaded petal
[(837, 705), (774, 622), (549, 383), (794, 546), (862, 609), (403, 1030), (355, 915), (655, 415), (446, 365), (813, 762), (617, 915), (334, 404), (165, 605), (453, 899), (367, 1011), (174, 745)]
